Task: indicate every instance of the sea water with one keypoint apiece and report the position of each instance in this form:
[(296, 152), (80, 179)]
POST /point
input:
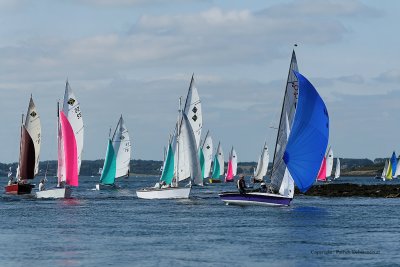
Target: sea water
[(115, 228)]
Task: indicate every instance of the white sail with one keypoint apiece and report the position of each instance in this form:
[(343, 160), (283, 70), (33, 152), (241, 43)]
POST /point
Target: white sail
[(122, 147), (72, 111), (287, 185), (263, 162), (188, 138), (33, 126), (234, 161), (208, 155), (329, 162), (220, 158), (397, 173), (383, 175), (193, 111), (337, 170)]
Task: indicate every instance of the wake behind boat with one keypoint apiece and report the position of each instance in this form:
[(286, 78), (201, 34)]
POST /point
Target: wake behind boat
[(301, 143)]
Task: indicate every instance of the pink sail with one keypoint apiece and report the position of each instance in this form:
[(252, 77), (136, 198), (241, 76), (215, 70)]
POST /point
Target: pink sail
[(322, 171), (229, 172), (70, 151)]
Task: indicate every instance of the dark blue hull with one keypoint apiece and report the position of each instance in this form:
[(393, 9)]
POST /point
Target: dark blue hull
[(254, 198)]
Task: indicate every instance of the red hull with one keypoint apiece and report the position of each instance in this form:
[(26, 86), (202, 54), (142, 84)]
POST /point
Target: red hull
[(19, 189)]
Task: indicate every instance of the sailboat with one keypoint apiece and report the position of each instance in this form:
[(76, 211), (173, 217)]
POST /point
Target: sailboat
[(326, 166), (70, 146), (182, 160), (397, 173), (337, 169), (118, 157), (384, 171), (262, 165), (218, 166), (232, 167), (393, 162), (301, 142), (206, 156), (29, 152), (181, 163)]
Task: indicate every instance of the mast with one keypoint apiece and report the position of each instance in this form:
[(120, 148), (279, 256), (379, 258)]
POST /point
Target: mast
[(20, 147), (178, 132)]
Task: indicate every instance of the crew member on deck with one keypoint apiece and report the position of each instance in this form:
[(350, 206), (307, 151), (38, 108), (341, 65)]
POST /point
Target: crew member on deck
[(41, 185), (241, 184)]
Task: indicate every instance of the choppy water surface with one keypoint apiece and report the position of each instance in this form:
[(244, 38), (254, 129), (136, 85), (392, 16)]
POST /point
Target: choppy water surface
[(117, 229)]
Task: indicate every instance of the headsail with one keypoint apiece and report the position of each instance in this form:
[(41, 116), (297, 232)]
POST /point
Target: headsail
[(33, 126), (109, 169), (308, 137)]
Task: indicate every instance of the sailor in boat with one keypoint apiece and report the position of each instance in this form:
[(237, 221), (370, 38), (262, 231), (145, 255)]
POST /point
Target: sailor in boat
[(41, 185), (263, 187), (241, 184), (11, 180)]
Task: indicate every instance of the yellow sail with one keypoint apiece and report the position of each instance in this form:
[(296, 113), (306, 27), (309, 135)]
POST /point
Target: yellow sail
[(389, 172)]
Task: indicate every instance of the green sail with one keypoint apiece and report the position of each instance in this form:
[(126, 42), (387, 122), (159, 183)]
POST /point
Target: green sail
[(110, 166), (216, 169), (202, 160), (168, 170)]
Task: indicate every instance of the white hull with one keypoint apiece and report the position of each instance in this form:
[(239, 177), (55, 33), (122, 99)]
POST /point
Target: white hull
[(55, 193), (106, 187), (164, 193)]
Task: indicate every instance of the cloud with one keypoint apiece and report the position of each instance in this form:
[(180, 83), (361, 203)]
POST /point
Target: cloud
[(391, 76)]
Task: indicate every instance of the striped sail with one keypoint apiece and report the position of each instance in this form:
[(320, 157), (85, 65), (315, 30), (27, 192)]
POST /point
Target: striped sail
[(122, 147)]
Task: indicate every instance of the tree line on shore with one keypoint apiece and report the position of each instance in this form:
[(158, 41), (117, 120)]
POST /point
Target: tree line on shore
[(153, 167)]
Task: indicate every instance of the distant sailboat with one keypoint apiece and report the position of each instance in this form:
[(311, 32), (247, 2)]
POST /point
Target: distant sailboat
[(337, 169), (70, 146), (30, 141), (326, 166), (182, 157), (182, 154), (297, 157), (262, 165), (206, 156), (232, 166), (118, 156), (218, 166), (393, 162)]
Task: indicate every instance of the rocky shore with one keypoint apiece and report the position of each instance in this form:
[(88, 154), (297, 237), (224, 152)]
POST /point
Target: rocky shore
[(352, 190)]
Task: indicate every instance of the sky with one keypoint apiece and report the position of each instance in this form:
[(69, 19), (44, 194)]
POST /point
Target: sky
[(136, 58)]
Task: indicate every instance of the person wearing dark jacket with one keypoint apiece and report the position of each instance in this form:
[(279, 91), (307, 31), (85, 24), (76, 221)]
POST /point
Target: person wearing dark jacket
[(241, 184)]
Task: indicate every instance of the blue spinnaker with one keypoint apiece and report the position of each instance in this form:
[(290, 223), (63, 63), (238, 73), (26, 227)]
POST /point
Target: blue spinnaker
[(308, 137), (393, 161), (110, 166)]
